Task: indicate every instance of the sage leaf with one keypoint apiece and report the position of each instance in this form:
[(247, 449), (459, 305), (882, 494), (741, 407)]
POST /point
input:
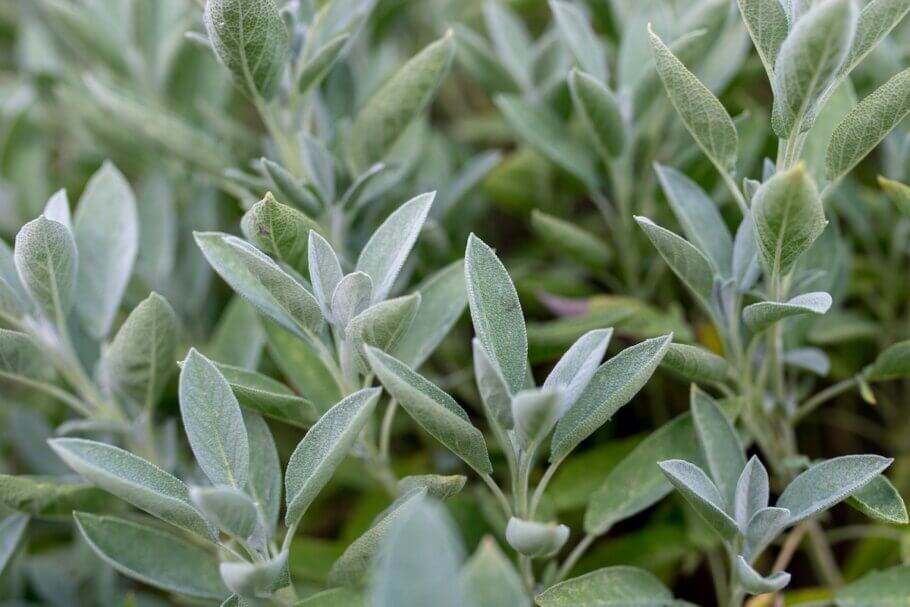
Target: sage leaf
[(229, 508), (867, 124), (700, 220), (307, 371), (576, 368), (50, 497), (389, 246), (511, 41), (892, 363), (880, 500), (319, 167), (489, 579), (336, 597), (322, 449), (746, 267), (618, 586), (494, 392), (140, 360), (496, 312), (443, 298), (434, 410), (12, 530), (752, 493), (133, 480), (253, 580), (768, 27), (421, 559), (325, 272), (353, 565), (267, 396), (153, 556), (351, 297), (279, 230), (876, 20), (319, 64), (20, 357), (58, 209), (213, 422), (701, 112), (877, 589), (250, 40), (720, 444), (701, 494), (765, 525), (577, 34), (788, 216), (106, 229), (397, 103), (535, 413), (614, 384), (827, 483), (536, 539), (290, 188), (686, 261), (264, 484), (759, 316), (695, 363), (262, 282), (437, 486), (754, 583), (382, 325), (568, 239), (809, 62), (46, 261)]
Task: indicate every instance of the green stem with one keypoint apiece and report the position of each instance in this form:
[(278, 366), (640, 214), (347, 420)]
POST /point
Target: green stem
[(580, 548), (497, 493), (385, 432), (822, 397)]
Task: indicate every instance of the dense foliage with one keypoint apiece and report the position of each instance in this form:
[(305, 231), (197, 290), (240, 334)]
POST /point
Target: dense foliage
[(482, 303)]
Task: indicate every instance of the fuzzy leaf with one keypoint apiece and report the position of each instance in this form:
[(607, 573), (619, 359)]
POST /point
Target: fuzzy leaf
[(279, 230), (577, 366), (489, 579), (50, 497), (325, 272), (350, 298), (494, 392), (536, 539), (754, 583), (382, 325), (881, 501), (759, 316), (319, 64), (268, 396), (765, 525), (12, 530), (876, 20), (892, 363), (752, 491), (768, 26), (437, 486), (618, 586), (46, 261), (886, 588), (230, 509), (686, 261), (535, 413), (568, 239), (264, 484), (702, 495), (720, 444), (577, 34), (695, 363)]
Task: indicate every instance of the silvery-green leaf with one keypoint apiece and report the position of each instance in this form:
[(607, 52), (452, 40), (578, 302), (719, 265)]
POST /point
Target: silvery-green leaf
[(720, 445), (251, 40), (153, 556), (319, 167), (322, 449), (701, 494), (46, 261), (319, 64), (546, 133), (494, 392), (695, 363), (51, 497), (12, 530), (133, 480), (892, 363), (141, 359), (268, 396), (305, 369), (290, 188), (382, 324), (390, 111), (754, 583), (746, 267), (10, 275), (752, 491), (11, 308), (359, 192), (437, 486), (809, 62), (759, 316), (827, 483), (325, 272), (867, 124), (698, 215), (213, 422), (442, 300), (496, 312), (389, 246), (877, 589), (535, 413), (264, 484), (238, 337), (577, 366), (570, 240), (489, 579), (614, 384), (20, 356), (421, 557), (336, 597), (280, 231), (262, 282), (352, 567), (768, 26), (106, 229), (434, 410), (686, 261), (765, 525), (577, 34), (699, 109), (478, 59), (880, 500), (229, 508), (536, 539), (876, 20), (510, 40), (788, 216), (810, 359), (618, 586), (253, 580), (351, 297), (58, 209)]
